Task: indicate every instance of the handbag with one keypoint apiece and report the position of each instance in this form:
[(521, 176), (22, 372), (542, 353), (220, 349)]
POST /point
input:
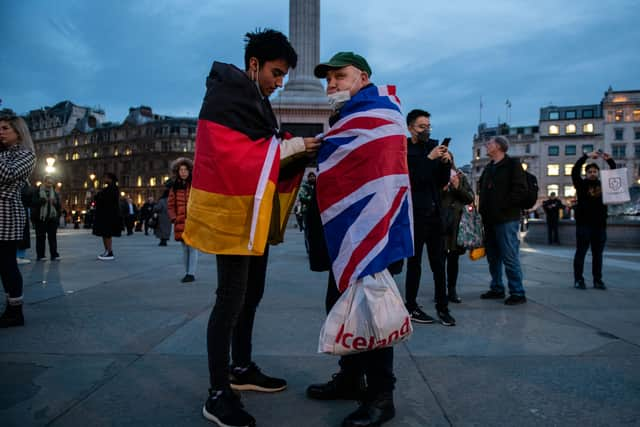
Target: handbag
[(615, 187), (470, 229), (370, 314)]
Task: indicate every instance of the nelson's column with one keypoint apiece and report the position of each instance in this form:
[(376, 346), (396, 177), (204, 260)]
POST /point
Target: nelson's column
[(302, 107)]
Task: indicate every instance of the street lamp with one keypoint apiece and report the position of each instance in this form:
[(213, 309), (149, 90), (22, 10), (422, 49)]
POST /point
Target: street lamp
[(92, 176), (50, 162)]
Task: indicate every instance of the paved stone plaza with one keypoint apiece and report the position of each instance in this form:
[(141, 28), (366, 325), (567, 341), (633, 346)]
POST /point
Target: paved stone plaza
[(122, 343)]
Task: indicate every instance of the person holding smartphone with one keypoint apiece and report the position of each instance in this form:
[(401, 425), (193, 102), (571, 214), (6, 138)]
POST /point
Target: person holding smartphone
[(591, 218), (429, 171)]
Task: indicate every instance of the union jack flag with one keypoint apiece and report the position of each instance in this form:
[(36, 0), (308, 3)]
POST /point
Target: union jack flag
[(363, 186)]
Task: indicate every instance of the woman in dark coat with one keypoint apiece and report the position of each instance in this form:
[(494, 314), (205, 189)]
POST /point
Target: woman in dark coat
[(107, 222), (177, 206), (163, 224), (17, 160), (455, 195)]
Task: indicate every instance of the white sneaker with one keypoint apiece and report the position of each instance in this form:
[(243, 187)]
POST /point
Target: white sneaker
[(23, 261)]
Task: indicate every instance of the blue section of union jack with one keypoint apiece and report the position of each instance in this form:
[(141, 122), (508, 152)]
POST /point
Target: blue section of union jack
[(363, 186)]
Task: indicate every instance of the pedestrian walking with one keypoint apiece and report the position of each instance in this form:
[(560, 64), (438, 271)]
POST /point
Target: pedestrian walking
[(45, 212), (108, 222), (17, 160), (146, 213), (162, 229), (552, 207), (177, 206)]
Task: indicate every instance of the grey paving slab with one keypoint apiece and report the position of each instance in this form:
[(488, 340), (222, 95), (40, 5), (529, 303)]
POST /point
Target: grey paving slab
[(123, 343)]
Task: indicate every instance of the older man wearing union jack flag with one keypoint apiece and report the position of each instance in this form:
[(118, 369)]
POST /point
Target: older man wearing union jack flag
[(364, 201)]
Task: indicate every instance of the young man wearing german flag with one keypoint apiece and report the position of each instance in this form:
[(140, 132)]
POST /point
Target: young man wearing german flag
[(245, 179)]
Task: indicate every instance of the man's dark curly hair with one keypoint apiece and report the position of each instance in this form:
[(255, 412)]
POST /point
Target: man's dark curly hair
[(268, 45), (414, 114)]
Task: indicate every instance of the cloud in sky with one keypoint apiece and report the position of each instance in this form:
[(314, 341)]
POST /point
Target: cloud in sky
[(442, 56)]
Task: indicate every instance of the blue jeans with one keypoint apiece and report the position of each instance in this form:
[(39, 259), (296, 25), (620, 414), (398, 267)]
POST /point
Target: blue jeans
[(503, 247), (189, 258)]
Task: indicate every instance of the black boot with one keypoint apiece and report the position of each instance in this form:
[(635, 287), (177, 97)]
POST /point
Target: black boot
[(12, 316), (372, 412), (342, 386)]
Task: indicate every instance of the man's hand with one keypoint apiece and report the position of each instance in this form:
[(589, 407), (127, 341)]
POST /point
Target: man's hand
[(593, 155), (605, 156), (438, 152), (311, 145)]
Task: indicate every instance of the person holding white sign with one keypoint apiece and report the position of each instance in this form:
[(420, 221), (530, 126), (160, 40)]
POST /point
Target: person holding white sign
[(591, 218)]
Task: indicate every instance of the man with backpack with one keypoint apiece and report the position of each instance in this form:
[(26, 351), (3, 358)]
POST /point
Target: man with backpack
[(504, 191)]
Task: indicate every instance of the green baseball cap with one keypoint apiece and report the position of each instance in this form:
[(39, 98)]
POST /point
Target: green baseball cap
[(342, 59)]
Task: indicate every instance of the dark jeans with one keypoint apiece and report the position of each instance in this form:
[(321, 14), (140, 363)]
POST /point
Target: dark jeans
[(451, 259), (241, 282), (9, 272), (46, 230), (586, 236), (377, 365), (552, 231), (426, 232), (130, 221)]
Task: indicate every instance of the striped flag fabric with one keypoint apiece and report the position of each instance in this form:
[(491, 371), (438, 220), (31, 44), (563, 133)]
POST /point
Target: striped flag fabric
[(363, 186), (235, 182)]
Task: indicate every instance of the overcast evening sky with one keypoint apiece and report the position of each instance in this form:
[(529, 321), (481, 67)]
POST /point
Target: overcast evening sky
[(442, 55)]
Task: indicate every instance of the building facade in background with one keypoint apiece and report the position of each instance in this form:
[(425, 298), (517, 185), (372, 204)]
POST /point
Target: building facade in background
[(550, 149), (139, 151)]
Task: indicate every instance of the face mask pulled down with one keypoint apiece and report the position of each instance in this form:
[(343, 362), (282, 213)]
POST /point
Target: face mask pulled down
[(338, 99)]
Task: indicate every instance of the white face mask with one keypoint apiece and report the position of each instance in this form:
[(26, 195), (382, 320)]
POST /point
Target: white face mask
[(338, 99)]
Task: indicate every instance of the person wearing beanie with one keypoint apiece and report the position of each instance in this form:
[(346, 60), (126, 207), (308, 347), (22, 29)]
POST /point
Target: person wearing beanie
[(502, 190)]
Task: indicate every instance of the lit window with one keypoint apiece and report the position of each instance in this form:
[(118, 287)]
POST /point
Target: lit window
[(75, 142), (96, 184), (554, 130), (636, 115), (587, 128), (139, 181), (95, 154), (525, 166), (477, 154), (569, 191), (570, 128), (86, 185), (165, 178), (554, 150), (127, 151), (553, 169), (552, 188), (66, 156), (567, 169), (115, 152), (75, 156), (152, 181), (619, 115)]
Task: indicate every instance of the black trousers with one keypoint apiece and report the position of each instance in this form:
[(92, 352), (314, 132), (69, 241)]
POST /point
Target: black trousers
[(241, 281), (426, 232), (552, 231), (586, 236), (376, 365), (452, 259), (46, 230), (9, 272)]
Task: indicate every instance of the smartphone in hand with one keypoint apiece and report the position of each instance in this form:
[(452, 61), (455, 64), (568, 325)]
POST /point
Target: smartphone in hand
[(446, 142)]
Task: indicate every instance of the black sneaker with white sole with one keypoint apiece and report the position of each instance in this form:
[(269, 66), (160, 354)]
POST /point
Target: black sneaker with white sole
[(419, 316), (106, 256), (446, 318), (225, 410), (250, 378)]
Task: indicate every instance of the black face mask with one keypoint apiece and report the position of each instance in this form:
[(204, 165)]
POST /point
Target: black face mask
[(423, 136)]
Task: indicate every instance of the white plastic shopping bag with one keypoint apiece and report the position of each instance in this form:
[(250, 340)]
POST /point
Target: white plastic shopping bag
[(615, 187), (370, 314)]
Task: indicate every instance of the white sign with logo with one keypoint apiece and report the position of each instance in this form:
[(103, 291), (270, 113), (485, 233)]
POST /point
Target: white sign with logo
[(615, 187)]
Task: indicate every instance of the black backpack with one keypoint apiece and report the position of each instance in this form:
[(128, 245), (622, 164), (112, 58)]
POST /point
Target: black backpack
[(531, 196)]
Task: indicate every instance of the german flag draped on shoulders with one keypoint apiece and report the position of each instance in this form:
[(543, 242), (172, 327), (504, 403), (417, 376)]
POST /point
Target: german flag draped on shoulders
[(242, 193)]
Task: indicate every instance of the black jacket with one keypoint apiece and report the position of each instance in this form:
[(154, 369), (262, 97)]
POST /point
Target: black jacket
[(428, 177), (589, 209), (502, 190)]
